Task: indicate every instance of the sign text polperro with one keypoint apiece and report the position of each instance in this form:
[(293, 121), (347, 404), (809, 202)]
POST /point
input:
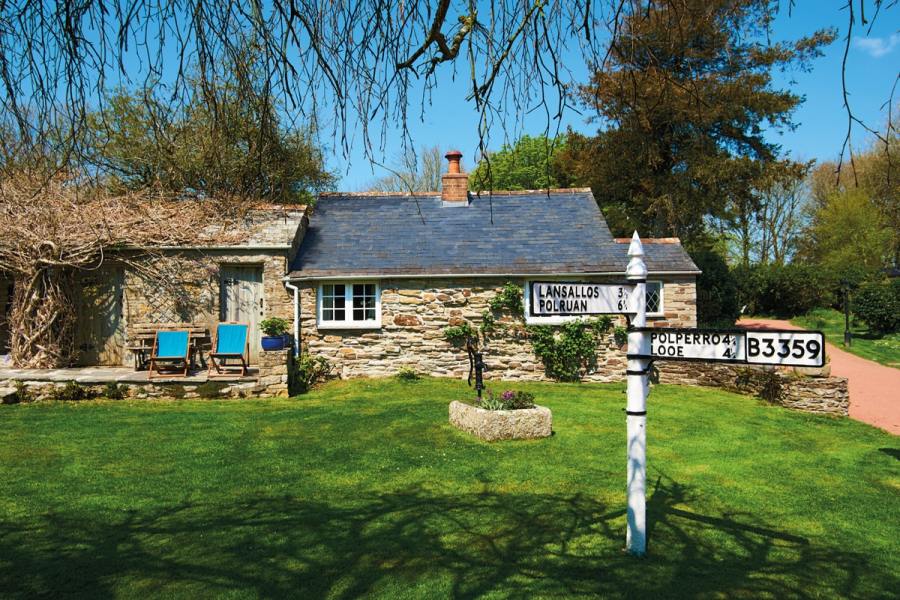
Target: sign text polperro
[(558, 298), (769, 347)]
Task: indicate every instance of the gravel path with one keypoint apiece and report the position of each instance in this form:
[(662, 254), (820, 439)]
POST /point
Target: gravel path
[(874, 388)]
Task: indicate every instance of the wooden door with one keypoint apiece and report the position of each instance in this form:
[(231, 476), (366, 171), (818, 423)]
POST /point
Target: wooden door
[(100, 329), (242, 300)]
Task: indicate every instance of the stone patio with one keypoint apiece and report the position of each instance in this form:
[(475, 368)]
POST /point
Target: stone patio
[(268, 378)]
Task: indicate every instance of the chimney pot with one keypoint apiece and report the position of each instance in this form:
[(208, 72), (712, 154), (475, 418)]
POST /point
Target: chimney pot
[(454, 183)]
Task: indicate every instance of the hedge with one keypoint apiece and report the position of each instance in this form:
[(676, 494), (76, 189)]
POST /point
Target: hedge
[(878, 304)]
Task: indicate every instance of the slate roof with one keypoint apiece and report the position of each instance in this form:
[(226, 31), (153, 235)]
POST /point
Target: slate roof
[(533, 233)]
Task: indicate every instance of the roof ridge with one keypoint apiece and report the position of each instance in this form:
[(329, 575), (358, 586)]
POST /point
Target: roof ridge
[(372, 194), (660, 240)]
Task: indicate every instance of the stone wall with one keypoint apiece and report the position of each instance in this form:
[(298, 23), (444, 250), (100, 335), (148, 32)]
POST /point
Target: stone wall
[(414, 314), (271, 380), (193, 293), (196, 297), (815, 393)]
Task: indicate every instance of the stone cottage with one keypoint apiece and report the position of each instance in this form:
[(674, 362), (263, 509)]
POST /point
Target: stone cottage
[(380, 276), (235, 277)]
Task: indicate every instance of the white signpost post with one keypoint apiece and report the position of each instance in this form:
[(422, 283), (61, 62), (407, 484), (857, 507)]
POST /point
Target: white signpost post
[(647, 344)]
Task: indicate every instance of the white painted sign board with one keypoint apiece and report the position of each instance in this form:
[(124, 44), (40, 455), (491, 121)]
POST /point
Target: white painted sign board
[(561, 298), (786, 348), (765, 347), (697, 344)]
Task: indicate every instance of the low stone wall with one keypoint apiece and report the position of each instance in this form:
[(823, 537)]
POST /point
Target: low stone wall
[(274, 370), (493, 425), (271, 380), (805, 390)]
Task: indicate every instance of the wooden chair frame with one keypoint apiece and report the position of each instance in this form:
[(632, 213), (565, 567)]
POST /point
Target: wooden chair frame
[(156, 359), (221, 369)]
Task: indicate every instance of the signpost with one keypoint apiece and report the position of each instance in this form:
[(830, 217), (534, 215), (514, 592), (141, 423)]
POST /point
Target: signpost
[(781, 347), (560, 298), (647, 344)]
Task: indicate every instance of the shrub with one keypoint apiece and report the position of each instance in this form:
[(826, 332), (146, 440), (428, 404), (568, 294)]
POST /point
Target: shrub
[(407, 374), (71, 392), (717, 290), (508, 400), (514, 400), (509, 298), (114, 391), (783, 290), (567, 353), (878, 304), (458, 333), (620, 335), (309, 371), (274, 326)]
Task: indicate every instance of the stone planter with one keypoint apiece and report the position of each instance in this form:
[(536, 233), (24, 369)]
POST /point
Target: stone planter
[(491, 425)]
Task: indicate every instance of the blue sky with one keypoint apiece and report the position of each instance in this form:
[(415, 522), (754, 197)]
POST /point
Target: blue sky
[(874, 60)]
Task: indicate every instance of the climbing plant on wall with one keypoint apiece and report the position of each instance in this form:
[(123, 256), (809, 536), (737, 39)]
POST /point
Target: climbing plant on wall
[(568, 351)]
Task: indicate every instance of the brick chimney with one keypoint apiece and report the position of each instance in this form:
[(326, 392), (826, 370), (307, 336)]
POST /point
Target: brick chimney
[(454, 185)]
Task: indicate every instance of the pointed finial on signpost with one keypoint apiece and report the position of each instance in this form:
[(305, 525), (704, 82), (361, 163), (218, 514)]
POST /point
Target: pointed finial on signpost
[(636, 268)]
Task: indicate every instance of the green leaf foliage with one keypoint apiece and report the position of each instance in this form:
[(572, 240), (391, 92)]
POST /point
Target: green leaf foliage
[(234, 144), (687, 97), (532, 163), (569, 350), (878, 304)]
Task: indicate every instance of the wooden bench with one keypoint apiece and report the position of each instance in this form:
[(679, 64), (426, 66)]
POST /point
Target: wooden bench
[(141, 336)]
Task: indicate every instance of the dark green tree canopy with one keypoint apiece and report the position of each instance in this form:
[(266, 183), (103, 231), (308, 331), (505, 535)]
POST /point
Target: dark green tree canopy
[(685, 96), (239, 149), (532, 163)]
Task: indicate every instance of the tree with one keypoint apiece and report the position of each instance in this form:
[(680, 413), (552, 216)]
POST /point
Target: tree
[(532, 163), (415, 173), (362, 65), (239, 147), (847, 233), (686, 93), (876, 175), (768, 226)]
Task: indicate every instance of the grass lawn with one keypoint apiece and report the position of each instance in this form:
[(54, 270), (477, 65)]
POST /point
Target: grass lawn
[(361, 488), (882, 349)]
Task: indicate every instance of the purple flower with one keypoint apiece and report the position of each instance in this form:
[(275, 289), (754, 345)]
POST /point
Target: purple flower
[(509, 395)]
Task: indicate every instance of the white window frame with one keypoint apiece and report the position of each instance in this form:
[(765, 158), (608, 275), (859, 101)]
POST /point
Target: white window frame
[(348, 322), (560, 320)]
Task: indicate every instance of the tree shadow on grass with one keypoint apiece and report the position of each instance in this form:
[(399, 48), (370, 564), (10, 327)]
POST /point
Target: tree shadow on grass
[(466, 545)]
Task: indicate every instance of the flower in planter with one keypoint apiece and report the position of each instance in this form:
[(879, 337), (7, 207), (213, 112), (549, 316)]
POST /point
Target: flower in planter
[(508, 400)]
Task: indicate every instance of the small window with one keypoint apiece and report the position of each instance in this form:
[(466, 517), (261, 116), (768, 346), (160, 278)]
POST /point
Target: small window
[(654, 298), (349, 306)]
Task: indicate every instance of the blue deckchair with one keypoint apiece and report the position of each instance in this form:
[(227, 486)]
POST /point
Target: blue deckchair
[(231, 342), (170, 347)]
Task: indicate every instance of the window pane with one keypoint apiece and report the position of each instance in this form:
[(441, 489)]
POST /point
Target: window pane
[(327, 302), (327, 290), (357, 302), (358, 314), (339, 290), (339, 315), (339, 302), (370, 314), (328, 315), (654, 298)]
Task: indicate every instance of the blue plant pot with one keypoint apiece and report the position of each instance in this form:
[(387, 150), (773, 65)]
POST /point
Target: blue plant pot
[(275, 342)]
